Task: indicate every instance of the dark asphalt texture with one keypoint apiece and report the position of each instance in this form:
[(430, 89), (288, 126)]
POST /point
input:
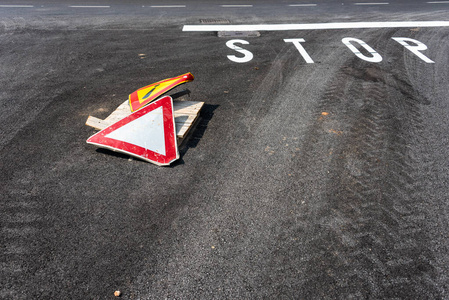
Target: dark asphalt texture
[(301, 181)]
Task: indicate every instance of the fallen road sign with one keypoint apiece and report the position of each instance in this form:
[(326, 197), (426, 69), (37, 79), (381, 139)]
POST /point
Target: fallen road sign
[(148, 134), (186, 116), (145, 95)]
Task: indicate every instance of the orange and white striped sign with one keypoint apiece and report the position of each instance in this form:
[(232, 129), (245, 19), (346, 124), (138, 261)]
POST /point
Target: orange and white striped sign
[(145, 95)]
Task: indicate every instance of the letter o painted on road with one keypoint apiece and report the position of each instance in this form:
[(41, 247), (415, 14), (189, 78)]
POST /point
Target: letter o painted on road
[(375, 56)]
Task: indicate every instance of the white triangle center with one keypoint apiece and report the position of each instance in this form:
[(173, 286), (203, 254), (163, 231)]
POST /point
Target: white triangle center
[(146, 131)]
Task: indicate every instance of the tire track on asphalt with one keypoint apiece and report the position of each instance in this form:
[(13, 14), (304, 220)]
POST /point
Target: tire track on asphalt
[(27, 103), (20, 224), (432, 83), (225, 249), (369, 235)]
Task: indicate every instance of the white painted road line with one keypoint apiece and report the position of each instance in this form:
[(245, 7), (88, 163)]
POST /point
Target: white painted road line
[(236, 5), (16, 6), (90, 6), (438, 2), (302, 5), (167, 6), (314, 26), (372, 3)]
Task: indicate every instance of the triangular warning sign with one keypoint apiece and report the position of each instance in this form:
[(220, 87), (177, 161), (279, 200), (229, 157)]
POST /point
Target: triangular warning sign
[(149, 134)]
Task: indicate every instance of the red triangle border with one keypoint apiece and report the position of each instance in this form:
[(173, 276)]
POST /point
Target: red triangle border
[(171, 146)]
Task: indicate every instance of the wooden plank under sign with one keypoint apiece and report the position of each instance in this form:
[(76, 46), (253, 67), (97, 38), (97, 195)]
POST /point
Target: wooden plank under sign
[(185, 112)]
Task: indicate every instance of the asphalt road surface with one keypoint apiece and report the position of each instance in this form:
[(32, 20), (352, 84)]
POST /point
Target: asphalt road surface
[(319, 168)]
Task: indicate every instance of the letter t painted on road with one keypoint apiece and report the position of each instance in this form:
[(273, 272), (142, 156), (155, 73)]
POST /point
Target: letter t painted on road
[(297, 43)]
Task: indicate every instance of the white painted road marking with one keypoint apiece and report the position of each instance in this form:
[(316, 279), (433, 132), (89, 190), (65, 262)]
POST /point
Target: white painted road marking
[(414, 46), (379, 3), (236, 5), (16, 6), (415, 49), (247, 54), (303, 5), (90, 6), (314, 26), (167, 6), (375, 57), (302, 51), (438, 2)]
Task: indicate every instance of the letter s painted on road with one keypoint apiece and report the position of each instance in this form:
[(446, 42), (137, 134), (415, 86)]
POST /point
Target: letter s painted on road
[(247, 54)]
